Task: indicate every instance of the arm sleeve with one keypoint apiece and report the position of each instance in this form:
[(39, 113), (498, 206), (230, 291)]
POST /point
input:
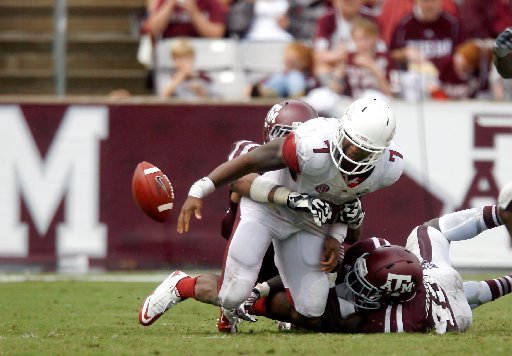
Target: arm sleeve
[(290, 153)]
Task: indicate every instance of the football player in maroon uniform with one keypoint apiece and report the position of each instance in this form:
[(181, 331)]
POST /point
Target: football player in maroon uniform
[(411, 289)]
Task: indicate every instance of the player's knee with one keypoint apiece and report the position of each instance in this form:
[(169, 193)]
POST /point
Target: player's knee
[(235, 293), (312, 302)]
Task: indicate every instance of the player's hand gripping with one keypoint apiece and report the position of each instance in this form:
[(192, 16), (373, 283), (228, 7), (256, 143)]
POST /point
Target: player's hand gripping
[(191, 206), (352, 214), (503, 44), (331, 254), (320, 210)]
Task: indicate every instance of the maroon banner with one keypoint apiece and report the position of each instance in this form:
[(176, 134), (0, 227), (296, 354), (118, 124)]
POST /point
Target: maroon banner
[(185, 141)]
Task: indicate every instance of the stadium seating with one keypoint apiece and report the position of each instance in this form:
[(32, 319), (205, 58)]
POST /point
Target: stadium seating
[(233, 64), (101, 47)]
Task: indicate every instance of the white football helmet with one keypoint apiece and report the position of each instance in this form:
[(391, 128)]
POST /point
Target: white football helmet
[(369, 124)]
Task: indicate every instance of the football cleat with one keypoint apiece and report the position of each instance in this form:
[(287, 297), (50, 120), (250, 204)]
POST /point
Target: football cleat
[(285, 326), (162, 299), (223, 324)]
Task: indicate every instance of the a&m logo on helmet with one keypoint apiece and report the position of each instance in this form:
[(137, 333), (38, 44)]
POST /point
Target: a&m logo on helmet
[(398, 284), (272, 115)]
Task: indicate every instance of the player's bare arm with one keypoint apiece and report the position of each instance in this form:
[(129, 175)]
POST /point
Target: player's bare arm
[(262, 159)]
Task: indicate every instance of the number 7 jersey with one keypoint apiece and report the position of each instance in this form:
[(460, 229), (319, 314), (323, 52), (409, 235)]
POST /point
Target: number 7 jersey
[(311, 169)]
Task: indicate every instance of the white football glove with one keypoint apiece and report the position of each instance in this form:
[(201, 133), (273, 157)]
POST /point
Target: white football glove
[(320, 210), (352, 214), (243, 309), (503, 44)]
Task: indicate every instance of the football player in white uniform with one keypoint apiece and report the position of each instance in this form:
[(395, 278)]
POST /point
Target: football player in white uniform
[(329, 159)]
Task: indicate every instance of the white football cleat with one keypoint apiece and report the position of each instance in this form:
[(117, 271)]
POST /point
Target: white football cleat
[(162, 299), (284, 326)]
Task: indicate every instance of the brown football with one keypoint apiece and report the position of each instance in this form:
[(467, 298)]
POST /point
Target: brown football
[(152, 191)]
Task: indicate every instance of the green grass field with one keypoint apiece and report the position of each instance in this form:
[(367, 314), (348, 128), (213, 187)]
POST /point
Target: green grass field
[(73, 317)]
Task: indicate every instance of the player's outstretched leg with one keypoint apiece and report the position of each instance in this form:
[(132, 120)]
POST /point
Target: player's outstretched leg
[(481, 292), (164, 297), (466, 224)]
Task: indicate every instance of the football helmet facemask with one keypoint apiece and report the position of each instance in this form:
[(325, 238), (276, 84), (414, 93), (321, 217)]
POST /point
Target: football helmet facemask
[(285, 116), (388, 274), (368, 124)]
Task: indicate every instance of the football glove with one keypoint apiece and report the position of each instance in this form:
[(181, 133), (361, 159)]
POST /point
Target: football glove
[(352, 214), (320, 210), (503, 44)]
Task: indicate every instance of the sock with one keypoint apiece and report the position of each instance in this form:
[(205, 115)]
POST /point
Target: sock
[(259, 307), (289, 295), (186, 287), (481, 292), (466, 224)]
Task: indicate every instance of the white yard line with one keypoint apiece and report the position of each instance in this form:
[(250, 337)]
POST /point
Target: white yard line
[(104, 277)]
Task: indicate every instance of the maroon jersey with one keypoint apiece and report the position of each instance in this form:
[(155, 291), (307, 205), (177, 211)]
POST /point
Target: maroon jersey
[(360, 79), (238, 148), (429, 310), (436, 40), (455, 87), (180, 23)]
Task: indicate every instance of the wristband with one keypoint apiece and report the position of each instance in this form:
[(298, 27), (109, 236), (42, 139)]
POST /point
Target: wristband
[(281, 196), (260, 188), (201, 188)]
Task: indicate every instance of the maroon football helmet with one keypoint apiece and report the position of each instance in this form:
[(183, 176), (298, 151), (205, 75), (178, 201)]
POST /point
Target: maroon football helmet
[(388, 274), (285, 116), (358, 249)]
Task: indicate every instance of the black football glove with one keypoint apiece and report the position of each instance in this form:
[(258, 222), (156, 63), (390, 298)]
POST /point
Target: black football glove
[(320, 210), (352, 214), (503, 44)]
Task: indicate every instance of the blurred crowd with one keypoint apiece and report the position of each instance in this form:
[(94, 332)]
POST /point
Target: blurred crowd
[(408, 49)]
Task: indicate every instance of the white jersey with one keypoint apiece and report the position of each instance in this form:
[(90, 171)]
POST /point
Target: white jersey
[(311, 169)]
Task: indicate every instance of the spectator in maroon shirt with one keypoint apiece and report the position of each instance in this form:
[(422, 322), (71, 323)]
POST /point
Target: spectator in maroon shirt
[(333, 30), (427, 33), (393, 11), (465, 74), (484, 19), (333, 35), (366, 69), (186, 18)]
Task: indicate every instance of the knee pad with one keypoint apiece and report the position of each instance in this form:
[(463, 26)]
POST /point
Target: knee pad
[(311, 302), (235, 292)]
